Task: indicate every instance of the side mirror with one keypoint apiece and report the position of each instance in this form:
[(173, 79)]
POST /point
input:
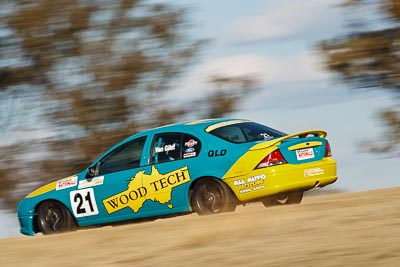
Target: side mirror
[(94, 170)]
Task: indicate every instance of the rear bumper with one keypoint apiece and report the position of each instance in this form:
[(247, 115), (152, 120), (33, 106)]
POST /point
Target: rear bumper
[(285, 178)]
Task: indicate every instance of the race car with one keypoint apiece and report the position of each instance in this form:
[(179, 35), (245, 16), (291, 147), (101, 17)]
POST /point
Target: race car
[(207, 166)]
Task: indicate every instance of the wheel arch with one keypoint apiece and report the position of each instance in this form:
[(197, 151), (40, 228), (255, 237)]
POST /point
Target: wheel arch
[(193, 184), (35, 222)]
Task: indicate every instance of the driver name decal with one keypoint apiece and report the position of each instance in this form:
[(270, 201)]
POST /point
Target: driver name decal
[(154, 187)]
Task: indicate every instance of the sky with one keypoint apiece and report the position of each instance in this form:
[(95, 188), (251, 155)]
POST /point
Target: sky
[(275, 41)]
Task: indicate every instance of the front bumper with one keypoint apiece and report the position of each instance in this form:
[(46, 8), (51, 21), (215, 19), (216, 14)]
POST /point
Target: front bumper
[(26, 223), (26, 217)]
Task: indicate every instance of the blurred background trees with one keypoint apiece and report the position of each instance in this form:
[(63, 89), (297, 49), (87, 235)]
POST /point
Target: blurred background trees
[(77, 76), (369, 57)]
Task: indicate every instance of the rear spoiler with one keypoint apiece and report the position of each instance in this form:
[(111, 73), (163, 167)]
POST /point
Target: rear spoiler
[(318, 133)]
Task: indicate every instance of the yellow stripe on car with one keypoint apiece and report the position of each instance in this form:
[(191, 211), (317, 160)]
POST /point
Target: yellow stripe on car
[(42, 190), (222, 124)]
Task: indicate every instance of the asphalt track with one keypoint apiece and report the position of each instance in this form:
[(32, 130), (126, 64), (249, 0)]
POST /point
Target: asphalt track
[(346, 229)]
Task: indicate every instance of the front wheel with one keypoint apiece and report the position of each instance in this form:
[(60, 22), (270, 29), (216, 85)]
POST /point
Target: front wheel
[(283, 199), (212, 196), (53, 218)]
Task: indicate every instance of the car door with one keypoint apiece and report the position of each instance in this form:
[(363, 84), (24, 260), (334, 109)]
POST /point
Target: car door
[(172, 164), (115, 186)]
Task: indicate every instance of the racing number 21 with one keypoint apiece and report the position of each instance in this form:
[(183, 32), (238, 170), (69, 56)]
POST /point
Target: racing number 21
[(83, 202)]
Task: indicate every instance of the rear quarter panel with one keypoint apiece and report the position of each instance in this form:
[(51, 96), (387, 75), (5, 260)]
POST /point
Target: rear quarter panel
[(218, 156)]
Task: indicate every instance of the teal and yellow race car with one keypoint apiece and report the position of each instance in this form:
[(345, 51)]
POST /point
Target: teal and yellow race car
[(206, 166)]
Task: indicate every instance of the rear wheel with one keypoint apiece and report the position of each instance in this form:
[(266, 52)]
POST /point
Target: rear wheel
[(283, 199), (212, 196), (53, 218)]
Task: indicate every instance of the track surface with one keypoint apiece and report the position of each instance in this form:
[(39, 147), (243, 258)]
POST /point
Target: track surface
[(350, 229)]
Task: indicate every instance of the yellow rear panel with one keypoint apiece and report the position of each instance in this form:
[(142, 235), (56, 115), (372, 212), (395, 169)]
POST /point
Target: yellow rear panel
[(288, 177)]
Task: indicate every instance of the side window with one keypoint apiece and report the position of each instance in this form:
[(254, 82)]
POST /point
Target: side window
[(191, 146), (230, 133), (174, 146), (166, 147), (122, 158)]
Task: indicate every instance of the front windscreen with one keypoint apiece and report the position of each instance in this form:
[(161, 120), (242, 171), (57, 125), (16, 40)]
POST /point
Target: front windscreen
[(246, 132)]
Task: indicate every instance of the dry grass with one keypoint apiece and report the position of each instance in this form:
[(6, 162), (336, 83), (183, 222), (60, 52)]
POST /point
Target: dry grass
[(352, 229)]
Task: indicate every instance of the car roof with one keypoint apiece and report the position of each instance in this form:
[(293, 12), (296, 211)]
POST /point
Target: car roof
[(199, 124)]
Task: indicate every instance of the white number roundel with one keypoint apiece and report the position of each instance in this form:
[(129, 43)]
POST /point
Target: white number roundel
[(83, 202)]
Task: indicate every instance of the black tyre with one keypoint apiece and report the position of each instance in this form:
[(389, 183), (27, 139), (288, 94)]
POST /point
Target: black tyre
[(212, 196), (283, 199), (53, 218)]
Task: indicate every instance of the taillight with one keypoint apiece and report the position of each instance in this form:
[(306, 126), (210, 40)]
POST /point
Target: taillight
[(272, 159), (328, 152)]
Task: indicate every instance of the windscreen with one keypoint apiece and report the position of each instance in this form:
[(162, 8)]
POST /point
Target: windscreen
[(246, 132)]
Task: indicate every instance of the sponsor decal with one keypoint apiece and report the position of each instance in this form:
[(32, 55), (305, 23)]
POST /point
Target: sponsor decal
[(266, 136), (165, 148), (244, 191), (253, 183), (306, 153), (91, 182), (189, 155), (189, 150), (313, 172), (251, 189), (217, 153), (191, 143), (155, 187), (83, 202), (67, 182)]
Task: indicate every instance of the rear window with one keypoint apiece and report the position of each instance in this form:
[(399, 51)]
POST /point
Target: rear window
[(246, 132)]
